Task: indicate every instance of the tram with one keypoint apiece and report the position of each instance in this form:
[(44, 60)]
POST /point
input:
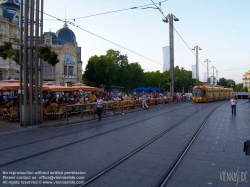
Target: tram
[(208, 93)]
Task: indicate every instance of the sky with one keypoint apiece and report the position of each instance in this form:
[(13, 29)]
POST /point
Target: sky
[(220, 28)]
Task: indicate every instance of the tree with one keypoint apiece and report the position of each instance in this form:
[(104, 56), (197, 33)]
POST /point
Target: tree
[(113, 69), (134, 76), (89, 73), (228, 83), (245, 89), (239, 87)]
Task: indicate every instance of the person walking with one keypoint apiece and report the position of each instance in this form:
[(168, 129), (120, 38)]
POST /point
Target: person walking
[(233, 103), (249, 98), (99, 107), (144, 100)]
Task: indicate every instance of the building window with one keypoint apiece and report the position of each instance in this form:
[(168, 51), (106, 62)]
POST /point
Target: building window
[(49, 71), (15, 76), (65, 72), (70, 71), (48, 42), (17, 31), (15, 45), (16, 20), (67, 58), (79, 53), (15, 64)]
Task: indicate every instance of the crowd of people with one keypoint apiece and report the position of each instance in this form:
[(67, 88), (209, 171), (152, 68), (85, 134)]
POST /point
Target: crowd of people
[(60, 99)]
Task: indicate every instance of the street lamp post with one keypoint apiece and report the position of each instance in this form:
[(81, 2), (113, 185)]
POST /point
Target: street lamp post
[(213, 72), (207, 69), (170, 19), (197, 63)]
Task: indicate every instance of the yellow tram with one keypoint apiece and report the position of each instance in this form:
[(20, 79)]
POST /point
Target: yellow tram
[(207, 93)]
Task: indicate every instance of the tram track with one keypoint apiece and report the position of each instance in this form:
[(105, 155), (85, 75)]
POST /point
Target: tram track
[(77, 131), (137, 150), (81, 140), (175, 164)]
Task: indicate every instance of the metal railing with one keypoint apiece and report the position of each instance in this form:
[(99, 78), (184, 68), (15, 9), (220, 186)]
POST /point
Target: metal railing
[(110, 108)]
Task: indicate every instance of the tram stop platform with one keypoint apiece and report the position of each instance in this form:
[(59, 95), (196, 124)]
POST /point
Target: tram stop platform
[(216, 157)]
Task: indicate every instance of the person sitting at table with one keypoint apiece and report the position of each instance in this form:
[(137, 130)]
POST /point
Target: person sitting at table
[(70, 102), (5, 111), (8, 104), (81, 100), (119, 97), (155, 96), (75, 100), (86, 100), (126, 97)]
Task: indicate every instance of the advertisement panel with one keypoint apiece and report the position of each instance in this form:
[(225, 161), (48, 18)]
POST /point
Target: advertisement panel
[(166, 58), (193, 71)]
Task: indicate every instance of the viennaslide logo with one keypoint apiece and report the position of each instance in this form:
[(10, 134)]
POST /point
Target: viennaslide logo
[(238, 176)]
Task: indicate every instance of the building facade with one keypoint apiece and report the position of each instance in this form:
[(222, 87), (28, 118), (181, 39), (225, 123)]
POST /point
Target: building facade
[(63, 42), (9, 32), (246, 80), (69, 68)]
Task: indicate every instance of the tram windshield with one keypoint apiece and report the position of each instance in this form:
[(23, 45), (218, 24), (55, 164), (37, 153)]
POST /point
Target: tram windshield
[(198, 92)]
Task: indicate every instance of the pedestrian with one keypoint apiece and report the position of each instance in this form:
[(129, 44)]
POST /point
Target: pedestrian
[(99, 107), (144, 100), (233, 103), (249, 98)]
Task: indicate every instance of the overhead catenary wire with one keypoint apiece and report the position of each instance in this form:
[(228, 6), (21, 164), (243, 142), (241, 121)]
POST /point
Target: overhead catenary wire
[(71, 23), (177, 33), (114, 11), (239, 67)]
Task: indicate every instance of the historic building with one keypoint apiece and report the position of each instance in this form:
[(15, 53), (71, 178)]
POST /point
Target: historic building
[(69, 68), (246, 80), (9, 32), (63, 42)]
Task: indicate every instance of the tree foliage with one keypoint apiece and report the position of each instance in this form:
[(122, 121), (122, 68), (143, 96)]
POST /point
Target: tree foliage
[(239, 87), (228, 83), (113, 69)]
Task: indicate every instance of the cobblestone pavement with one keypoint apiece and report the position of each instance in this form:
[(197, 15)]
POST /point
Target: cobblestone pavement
[(218, 151)]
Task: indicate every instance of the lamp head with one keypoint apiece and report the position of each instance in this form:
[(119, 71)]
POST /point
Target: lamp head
[(176, 19), (200, 48), (165, 20)]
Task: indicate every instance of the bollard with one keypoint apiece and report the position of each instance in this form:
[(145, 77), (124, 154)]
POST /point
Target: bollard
[(247, 147)]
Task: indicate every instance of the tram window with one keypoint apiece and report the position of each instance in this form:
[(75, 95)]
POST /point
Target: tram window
[(199, 92), (204, 92)]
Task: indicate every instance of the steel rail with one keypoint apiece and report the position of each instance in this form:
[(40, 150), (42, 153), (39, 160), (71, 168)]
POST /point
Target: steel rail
[(76, 132), (120, 161), (173, 167), (81, 140)]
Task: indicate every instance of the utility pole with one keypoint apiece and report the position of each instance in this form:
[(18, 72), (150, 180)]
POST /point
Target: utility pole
[(207, 69), (171, 18), (213, 72), (197, 48), (217, 75)]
